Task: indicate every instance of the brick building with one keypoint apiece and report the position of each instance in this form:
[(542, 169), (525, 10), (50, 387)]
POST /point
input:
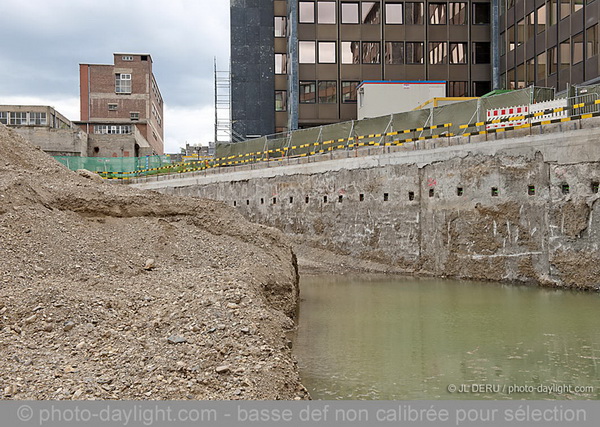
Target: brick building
[(121, 107)]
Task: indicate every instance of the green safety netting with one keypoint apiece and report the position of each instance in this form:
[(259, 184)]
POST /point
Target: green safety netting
[(109, 166)]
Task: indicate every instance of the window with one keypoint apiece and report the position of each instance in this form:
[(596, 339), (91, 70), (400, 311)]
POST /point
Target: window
[(577, 5), (503, 43), (350, 13), (530, 72), (481, 52), (37, 119), (306, 13), (511, 38), (553, 5), (308, 91), (123, 83), (113, 107), (413, 12), (370, 12), (457, 89), (18, 118), (349, 92), (520, 32), (481, 88), (510, 76), (438, 52), (414, 52), (326, 52), (393, 13), (134, 116), (280, 100), (521, 76), (530, 23), (306, 52), (113, 129), (510, 3), (156, 115), (326, 12), (127, 58), (565, 8), (541, 67), (577, 48), (592, 41), (280, 26), (3, 117), (458, 53), (481, 13), (437, 13), (144, 57), (394, 53), (565, 55), (280, 63), (370, 53), (552, 60), (457, 13), (327, 92), (541, 19), (350, 52)]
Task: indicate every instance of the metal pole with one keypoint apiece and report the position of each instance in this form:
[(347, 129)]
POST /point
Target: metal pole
[(495, 36), (293, 60)]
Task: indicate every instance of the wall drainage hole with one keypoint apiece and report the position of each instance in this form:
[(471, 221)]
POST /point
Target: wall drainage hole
[(411, 196), (531, 190)]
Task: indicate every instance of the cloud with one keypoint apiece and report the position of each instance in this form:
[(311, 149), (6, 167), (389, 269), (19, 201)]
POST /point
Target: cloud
[(46, 42)]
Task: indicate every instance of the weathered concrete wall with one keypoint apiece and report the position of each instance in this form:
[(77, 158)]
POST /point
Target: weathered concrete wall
[(57, 142), (521, 209)]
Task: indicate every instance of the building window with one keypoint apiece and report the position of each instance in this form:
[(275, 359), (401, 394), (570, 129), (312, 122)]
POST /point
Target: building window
[(123, 83), (530, 72), (134, 116), (156, 115), (113, 107), (530, 22), (552, 60), (350, 52), (414, 52), (414, 13), (3, 117), (457, 89), (457, 13), (393, 13), (113, 129), (541, 19), (18, 118), (394, 53), (437, 13), (326, 12), (280, 26), (37, 119), (349, 92), (541, 67), (327, 92), (306, 13), (481, 52), (502, 43), (521, 76), (520, 32), (565, 55), (370, 53), (565, 8), (308, 92), (438, 53), (577, 48), (481, 88), (370, 12), (577, 5), (280, 63), (458, 53), (280, 100), (592, 41), (127, 58), (509, 3), (326, 52), (481, 13), (350, 13), (510, 76), (511, 38), (553, 5), (306, 52)]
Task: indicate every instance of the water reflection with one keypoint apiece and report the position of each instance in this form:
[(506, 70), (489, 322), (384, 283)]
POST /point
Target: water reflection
[(365, 338)]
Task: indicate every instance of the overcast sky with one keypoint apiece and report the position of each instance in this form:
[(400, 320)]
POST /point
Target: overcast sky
[(43, 43)]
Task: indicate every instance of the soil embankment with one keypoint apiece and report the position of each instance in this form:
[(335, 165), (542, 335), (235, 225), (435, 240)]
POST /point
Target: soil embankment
[(107, 292)]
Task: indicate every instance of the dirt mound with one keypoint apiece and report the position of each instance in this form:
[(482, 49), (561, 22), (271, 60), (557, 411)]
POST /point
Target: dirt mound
[(113, 293)]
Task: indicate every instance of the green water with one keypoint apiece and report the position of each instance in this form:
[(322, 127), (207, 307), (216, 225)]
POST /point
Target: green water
[(395, 339)]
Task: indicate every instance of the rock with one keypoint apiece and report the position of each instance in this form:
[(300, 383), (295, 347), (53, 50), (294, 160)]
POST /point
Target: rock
[(90, 175), (38, 269), (80, 345), (175, 339), (245, 330), (47, 327), (232, 306), (30, 319), (68, 325), (149, 264), (222, 369), (77, 394)]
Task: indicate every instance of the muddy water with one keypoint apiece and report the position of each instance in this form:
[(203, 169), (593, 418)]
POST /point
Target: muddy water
[(374, 338)]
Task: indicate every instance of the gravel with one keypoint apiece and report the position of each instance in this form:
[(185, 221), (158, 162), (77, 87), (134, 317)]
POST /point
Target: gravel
[(107, 292)]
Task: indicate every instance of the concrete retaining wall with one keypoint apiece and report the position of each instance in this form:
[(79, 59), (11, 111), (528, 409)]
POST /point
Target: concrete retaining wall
[(521, 209)]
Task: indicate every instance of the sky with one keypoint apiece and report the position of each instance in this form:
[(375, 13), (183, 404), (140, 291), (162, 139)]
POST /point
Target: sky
[(43, 43)]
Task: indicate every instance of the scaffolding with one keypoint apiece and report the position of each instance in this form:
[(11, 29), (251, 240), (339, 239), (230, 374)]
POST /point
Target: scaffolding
[(224, 133)]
